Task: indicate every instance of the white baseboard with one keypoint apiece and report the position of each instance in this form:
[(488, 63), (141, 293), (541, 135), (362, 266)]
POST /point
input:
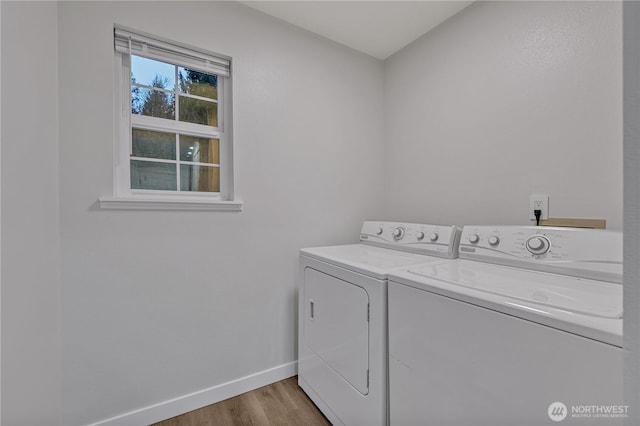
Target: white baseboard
[(183, 404)]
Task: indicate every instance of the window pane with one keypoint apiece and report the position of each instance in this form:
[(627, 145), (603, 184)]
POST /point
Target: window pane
[(152, 73), (199, 112), (199, 178), (199, 150), (148, 175), (150, 144), (198, 83), (155, 103)]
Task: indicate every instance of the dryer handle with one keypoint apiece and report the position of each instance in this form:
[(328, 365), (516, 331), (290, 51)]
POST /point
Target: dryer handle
[(311, 309)]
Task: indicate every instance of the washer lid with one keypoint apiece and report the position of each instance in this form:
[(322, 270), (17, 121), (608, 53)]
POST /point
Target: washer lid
[(581, 306), (369, 260), (589, 297)]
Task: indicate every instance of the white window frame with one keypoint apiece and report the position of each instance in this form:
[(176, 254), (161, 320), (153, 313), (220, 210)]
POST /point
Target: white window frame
[(124, 197)]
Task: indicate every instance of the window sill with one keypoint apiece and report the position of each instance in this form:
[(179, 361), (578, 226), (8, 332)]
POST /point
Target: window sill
[(147, 203)]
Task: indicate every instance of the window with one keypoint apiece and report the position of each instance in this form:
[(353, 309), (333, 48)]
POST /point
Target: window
[(173, 124)]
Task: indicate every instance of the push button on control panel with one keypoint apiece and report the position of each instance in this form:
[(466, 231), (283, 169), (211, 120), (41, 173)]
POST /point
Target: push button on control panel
[(398, 233)]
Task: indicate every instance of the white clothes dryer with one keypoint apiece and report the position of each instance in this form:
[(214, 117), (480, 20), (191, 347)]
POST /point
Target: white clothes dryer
[(342, 331), (524, 329)]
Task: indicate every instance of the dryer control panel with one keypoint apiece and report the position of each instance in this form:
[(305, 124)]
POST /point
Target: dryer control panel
[(436, 240), (587, 253)]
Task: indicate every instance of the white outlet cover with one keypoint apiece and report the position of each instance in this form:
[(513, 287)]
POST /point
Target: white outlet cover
[(541, 200)]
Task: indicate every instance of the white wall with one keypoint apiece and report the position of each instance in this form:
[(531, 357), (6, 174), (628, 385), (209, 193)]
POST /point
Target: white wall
[(0, 220), (504, 100), (159, 304), (30, 218), (631, 330)]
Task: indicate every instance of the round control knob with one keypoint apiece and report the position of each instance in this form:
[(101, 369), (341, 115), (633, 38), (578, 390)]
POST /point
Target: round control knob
[(474, 238), (420, 235), (493, 240), (398, 233), (538, 244), (434, 237), (379, 231)]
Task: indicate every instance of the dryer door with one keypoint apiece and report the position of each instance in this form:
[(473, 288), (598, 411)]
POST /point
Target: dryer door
[(337, 326)]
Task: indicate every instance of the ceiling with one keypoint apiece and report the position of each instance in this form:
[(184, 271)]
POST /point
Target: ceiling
[(377, 28)]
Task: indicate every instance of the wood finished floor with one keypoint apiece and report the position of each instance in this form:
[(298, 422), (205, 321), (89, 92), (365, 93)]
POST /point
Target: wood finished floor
[(280, 403)]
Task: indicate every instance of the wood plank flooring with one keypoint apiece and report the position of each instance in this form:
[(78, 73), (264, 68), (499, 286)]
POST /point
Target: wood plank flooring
[(280, 403)]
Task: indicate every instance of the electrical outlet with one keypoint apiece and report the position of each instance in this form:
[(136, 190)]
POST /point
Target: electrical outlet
[(539, 202)]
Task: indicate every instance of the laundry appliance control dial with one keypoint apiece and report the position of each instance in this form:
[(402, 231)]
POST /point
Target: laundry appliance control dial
[(398, 233), (494, 240), (434, 237), (420, 236), (474, 238), (538, 244)]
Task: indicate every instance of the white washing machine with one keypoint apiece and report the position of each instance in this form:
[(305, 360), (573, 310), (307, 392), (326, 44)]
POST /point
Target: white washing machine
[(342, 332), (527, 317)]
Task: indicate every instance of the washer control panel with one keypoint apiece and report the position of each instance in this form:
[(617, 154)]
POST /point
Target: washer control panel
[(585, 253), (435, 240)]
